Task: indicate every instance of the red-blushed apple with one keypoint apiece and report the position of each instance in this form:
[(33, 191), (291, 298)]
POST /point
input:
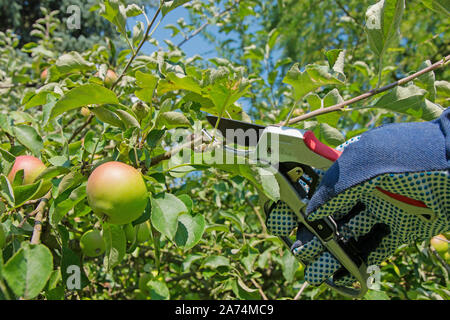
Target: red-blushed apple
[(44, 75), (32, 167), (92, 243), (110, 78), (117, 193)]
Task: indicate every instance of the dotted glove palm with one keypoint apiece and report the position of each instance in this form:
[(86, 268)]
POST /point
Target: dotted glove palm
[(389, 187)]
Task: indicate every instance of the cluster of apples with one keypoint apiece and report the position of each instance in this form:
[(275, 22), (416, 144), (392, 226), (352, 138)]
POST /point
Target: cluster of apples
[(116, 193)]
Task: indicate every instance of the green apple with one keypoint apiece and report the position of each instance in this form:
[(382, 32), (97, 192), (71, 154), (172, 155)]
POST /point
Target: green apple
[(143, 232), (130, 232), (2, 236), (439, 243), (32, 168), (117, 193), (92, 243)]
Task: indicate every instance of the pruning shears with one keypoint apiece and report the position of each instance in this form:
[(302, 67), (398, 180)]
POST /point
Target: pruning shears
[(292, 154)]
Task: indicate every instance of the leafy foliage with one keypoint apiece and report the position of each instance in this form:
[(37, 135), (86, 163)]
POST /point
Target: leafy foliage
[(278, 59)]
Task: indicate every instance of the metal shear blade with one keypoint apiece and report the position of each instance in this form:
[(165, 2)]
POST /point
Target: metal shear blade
[(237, 132)]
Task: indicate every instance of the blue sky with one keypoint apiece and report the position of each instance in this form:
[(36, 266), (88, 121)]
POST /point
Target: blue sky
[(197, 45)]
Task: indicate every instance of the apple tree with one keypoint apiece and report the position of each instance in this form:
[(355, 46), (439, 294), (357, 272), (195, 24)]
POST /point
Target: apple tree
[(103, 194)]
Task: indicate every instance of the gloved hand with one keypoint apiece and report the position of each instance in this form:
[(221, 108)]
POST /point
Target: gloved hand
[(388, 188)]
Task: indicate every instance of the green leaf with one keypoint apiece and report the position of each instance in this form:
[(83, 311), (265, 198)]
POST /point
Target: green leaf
[(105, 115), (250, 258), (133, 10), (174, 82), (158, 290), (165, 211), (147, 82), (426, 81), (154, 138), (173, 119), (331, 98), (7, 156), (383, 24), (73, 62), (115, 12), (443, 88), (68, 260), (28, 270), (243, 292), (289, 265), (336, 59), (168, 6), (71, 179), (60, 207), (439, 6), (189, 260), (376, 295), (128, 119), (26, 192), (216, 261), (7, 191), (187, 201), (234, 220), (325, 133), (82, 96), (39, 99), (409, 100), (273, 37), (190, 230), (269, 184), (313, 77), (116, 245), (29, 138)]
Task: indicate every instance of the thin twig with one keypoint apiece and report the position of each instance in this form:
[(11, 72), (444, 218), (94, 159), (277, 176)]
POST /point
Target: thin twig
[(36, 238), (439, 258), (341, 106), (78, 130), (261, 292), (167, 155), (299, 293), (149, 27), (340, 5), (203, 26), (256, 211)]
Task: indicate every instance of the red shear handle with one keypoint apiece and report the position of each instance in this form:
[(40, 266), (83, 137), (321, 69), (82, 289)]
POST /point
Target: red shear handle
[(318, 147)]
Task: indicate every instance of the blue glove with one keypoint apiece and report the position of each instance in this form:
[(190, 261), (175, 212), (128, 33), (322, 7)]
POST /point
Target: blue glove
[(389, 187)]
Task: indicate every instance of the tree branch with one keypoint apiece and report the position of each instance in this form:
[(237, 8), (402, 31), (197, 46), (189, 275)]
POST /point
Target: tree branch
[(203, 26), (299, 293), (342, 105), (256, 211), (167, 155), (261, 292), (147, 32), (79, 129), (36, 238)]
